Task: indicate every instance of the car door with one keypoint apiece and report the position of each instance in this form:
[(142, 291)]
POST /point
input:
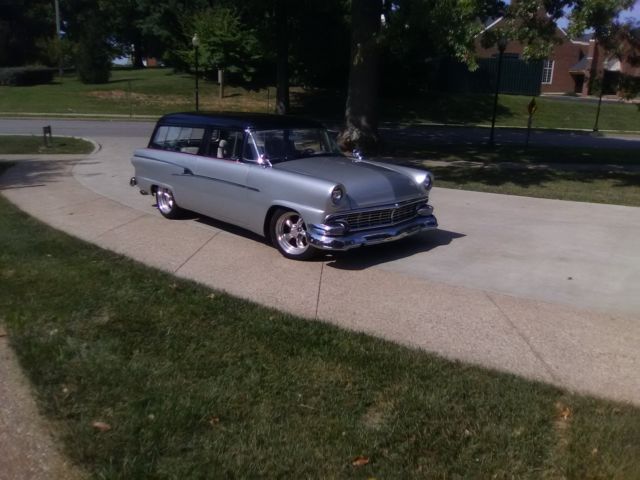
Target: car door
[(220, 178)]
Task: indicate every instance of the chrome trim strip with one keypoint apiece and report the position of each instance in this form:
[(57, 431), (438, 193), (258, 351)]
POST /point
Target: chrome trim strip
[(219, 180), (377, 207), (316, 236), (161, 161), (187, 173), (395, 206)]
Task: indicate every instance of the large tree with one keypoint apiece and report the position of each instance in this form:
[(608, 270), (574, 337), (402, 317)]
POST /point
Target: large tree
[(25, 29), (410, 32), (361, 114), (453, 25)]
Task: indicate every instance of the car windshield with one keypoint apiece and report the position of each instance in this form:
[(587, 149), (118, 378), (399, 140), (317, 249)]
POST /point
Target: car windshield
[(288, 144)]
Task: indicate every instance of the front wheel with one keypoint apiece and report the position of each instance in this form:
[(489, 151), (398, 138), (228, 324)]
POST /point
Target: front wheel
[(289, 235), (167, 204)]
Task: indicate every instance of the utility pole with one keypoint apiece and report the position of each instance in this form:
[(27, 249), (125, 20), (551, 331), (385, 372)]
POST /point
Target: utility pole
[(502, 46), (59, 36)]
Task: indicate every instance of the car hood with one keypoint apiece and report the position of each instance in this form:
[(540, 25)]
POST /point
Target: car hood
[(367, 184)]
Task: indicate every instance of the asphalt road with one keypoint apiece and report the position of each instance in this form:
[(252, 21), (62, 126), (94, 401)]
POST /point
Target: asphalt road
[(432, 134)]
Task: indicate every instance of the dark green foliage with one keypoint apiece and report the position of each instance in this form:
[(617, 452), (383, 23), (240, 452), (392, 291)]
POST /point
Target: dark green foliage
[(24, 27), (23, 76), (93, 59), (417, 33), (629, 86), (319, 47), (225, 43)]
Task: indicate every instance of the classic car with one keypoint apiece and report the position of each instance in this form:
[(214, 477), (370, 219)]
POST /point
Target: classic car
[(281, 177)]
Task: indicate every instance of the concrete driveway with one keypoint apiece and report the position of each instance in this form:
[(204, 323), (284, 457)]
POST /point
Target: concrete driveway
[(541, 288)]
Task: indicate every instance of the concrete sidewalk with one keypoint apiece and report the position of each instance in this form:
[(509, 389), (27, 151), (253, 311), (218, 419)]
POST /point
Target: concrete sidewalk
[(441, 292)]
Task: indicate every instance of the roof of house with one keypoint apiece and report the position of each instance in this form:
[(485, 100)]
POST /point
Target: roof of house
[(582, 66), (582, 39)]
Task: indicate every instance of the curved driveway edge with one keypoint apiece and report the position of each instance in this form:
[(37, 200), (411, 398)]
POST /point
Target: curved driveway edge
[(404, 293)]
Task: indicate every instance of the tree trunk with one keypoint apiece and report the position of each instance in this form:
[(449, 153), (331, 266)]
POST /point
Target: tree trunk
[(282, 62), (137, 54), (361, 114)]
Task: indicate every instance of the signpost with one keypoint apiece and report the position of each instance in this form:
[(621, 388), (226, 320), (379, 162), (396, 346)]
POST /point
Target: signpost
[(531, 108), (47, 137)]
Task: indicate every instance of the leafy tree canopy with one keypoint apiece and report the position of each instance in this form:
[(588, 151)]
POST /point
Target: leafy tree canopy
[(225, 43)]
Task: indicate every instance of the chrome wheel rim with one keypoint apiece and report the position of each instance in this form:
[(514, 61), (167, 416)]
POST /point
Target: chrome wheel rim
[(165, 201), (291, 234)]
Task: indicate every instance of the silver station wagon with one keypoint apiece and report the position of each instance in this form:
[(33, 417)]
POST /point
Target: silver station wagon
[(281, 177)]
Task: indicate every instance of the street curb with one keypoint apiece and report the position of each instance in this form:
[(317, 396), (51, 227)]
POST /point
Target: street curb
[(504, 127), (86, 116)]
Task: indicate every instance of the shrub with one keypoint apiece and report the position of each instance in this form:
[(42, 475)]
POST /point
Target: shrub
[(28, 75), (93, 61)]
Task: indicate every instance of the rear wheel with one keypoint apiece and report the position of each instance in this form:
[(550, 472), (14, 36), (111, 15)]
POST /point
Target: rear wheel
[(289, 235), (167, 204)]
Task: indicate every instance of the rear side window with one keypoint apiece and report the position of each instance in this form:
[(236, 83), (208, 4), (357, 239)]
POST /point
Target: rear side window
[(178, 139), (225, 143)]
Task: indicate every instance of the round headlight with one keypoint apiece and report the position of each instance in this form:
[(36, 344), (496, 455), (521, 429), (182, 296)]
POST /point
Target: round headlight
[(428, 182), (336, 194)]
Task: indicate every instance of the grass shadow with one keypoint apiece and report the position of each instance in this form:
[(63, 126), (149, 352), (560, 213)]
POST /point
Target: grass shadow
[(122, 80), (33, 173), (319, 103), (528, 177), (444, 108)]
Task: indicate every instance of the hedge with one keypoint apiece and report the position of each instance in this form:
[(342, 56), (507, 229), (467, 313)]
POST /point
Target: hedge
[(29, 75)]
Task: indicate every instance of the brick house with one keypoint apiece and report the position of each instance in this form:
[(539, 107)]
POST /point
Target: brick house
[(571, 65)]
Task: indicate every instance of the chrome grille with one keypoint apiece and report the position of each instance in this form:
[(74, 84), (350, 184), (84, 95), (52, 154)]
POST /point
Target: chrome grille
[(380, 217)]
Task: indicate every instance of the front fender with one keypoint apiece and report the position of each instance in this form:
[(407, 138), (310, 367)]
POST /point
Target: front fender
[(309, 196)]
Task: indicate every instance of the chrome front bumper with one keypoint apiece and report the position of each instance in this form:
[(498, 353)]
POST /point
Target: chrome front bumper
[(317, 236)]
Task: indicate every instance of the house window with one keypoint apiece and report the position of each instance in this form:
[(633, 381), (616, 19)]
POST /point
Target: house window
[(547, 72)]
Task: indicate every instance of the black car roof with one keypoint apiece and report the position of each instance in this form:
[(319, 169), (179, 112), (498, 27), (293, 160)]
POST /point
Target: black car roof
[(259, 121)]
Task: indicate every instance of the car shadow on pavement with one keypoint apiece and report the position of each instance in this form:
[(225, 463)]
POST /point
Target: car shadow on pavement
[(220, 225), (356, 259), (366, 257)]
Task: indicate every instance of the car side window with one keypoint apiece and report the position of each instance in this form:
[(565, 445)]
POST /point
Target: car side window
[(178, 139), (224, 143)]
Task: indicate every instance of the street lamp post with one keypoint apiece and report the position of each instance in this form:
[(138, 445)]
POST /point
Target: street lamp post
[(195, 41), (502, 45), (58, 37), (595, 126)]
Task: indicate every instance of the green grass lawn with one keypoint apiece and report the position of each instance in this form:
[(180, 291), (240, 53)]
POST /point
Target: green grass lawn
[(534, 155), (137, 92), (617, 188), (31, 144), (512, 111), (198, 384), (602, 176), (159, 91)]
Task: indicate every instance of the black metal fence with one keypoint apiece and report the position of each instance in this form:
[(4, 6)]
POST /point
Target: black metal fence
[(519, 77)]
